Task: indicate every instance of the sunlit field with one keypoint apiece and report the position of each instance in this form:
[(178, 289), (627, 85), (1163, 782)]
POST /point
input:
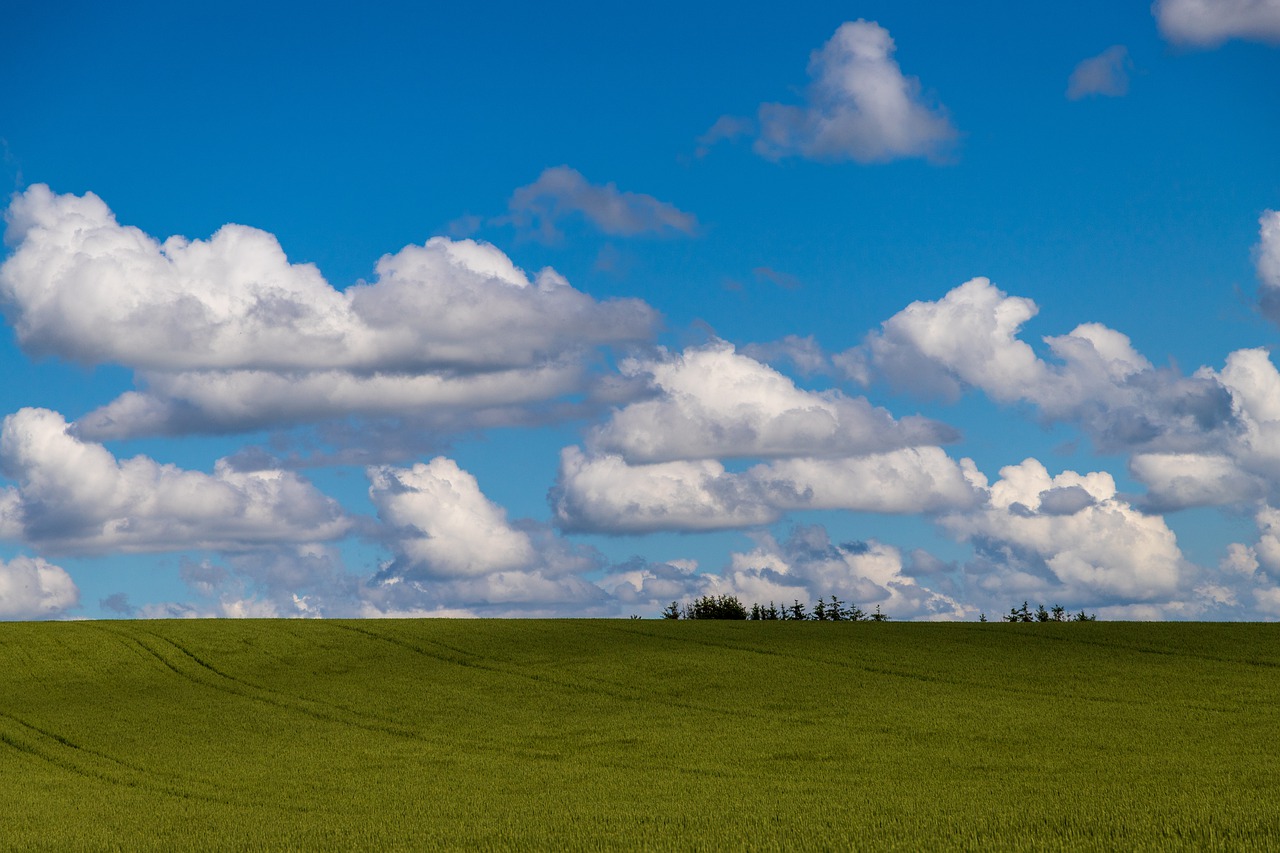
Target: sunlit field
[(639, 734)]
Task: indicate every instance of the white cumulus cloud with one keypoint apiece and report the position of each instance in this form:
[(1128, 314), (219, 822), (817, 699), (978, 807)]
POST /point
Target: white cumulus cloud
[(208, 320), (74, 496), (1069, 536), (1240, 465), (1178, 480), (715, 402), (31, 588), (605, 494), (969, 339), (452, 529), (455, 548), (859, 106), (657, 463), (805, 566), (1267, 254), (808, 566), (602, 493), (238, 400)]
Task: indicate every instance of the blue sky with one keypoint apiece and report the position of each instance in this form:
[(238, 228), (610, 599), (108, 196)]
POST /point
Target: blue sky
[(568, 310)]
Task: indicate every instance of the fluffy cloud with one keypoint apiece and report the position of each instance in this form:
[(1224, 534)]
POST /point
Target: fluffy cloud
[(454, 553), (234, 401), (1240, 465), (1179, 480), (639, 583), (969, 339), (808, 566), (31, 588), (1249, 456), (1267, 253), (1251, 574), (452, 529), (561, 192), (455, 548), (715, 402), (1068, 536), (911, 480), (1208, 23), (74, 496), (604, 494), (859, 106), (1212, 438), (656, 463), (1106, 74), (805, 566), (210, 320)]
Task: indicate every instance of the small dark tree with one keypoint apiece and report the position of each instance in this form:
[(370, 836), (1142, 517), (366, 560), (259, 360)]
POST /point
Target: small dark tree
[(1042, 615), (798, 611), (717, 607), (878, 616), (820, 611), (835, 610), (1024, 613), (757, 612), (772, 612), (672, 611), (1059, 613), (982, 617)]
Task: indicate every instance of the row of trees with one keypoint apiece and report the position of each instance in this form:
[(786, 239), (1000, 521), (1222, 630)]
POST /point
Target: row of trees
[(835, 610), (1057, 613), (731, 607)]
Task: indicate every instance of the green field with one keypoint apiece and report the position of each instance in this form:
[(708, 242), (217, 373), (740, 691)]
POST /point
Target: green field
[(638, 734)]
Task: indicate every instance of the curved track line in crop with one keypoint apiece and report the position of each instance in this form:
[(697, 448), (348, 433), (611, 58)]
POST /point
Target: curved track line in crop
[(63, 754), (210, 678), (1053, 693), (612, 689), (300, 701), (1163, 652)]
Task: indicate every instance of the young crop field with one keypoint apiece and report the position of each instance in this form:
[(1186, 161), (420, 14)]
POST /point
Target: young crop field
[(595, 734)]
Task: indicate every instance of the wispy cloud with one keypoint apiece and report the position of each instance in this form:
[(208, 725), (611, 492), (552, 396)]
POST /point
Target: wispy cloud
[(727, 128), (1209, 23), (1106, 74), (561, 193), (782, 279)]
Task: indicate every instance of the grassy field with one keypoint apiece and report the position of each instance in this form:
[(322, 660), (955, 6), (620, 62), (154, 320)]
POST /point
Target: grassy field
[(638, 734)]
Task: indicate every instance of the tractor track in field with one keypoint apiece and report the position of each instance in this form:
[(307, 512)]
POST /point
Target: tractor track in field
[(587, 683), (49, 747), (211, 678), (1048, 693)]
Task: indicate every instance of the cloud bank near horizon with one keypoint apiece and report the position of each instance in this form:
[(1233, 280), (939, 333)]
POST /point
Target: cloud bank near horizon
[(708, 438)]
